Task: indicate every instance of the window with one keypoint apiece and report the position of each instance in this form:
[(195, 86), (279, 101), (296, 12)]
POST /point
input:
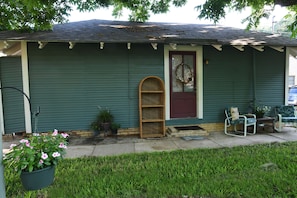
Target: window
[(291, 81)]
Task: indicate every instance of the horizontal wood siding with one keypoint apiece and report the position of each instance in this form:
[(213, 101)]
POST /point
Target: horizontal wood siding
[(270, 77), (13, 102), (143, 61), (229, 78), (227, 81), (68, 85)]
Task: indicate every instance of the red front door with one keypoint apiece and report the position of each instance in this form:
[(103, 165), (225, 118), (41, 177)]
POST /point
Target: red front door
[(182, 86)]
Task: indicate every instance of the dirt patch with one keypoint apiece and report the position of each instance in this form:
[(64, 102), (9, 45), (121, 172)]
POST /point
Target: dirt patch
[(85, 140), (99, 140)]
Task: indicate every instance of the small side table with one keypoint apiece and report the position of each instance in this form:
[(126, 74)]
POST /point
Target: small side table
[(266, 122)]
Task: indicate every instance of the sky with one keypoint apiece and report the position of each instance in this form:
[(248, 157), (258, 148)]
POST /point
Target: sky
[(185, 14)]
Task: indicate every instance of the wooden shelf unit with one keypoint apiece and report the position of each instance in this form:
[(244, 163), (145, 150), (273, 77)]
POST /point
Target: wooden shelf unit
[(151, 107)]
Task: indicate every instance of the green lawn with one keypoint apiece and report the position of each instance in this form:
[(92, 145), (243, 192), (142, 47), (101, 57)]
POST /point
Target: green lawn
[(223, 172)]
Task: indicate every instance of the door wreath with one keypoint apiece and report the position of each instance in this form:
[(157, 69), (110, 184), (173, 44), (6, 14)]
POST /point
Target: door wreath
[(183, 73)]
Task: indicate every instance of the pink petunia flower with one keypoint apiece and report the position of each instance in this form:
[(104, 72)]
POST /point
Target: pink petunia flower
[(28, 145), (24, 141), (44, 155), (41, 161), (62, 145), (12, 145), (56, 154), (55, 133), (65, 135)]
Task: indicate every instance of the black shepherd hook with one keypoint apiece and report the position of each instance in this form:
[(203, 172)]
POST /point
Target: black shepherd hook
[(22, 93), (36, 113)]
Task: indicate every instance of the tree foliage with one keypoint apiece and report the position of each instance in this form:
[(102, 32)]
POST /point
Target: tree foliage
[(41, 14), (35, 15), (32, 14), (293, 26), (216, 9), (141, 9)]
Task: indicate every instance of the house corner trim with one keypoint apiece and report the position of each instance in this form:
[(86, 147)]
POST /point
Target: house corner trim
[(25, 78)]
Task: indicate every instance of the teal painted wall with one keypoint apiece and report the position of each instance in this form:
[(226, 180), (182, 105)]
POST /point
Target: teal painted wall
[(229, 79), (13, 105), (68, 85), (270, 77)]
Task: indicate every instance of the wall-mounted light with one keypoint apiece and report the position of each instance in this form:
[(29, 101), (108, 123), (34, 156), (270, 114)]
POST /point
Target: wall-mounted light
[(206, 61)]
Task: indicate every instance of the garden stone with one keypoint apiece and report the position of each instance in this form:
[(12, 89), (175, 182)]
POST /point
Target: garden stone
[(269, 166)]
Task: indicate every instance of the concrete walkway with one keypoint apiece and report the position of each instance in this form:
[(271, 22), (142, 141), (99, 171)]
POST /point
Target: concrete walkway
[(122, 145)]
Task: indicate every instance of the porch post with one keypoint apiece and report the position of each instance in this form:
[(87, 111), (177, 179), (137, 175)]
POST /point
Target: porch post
[(1, 113), (287, 69), (25, 78), (2, 183), (254, 81)]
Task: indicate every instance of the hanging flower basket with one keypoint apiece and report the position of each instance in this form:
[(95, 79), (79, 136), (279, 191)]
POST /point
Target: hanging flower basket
[(35, 158), (38, 179)]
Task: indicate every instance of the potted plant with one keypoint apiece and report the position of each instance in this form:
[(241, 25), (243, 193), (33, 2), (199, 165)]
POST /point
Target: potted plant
[(103, 120), (105, 117), (35, 158), (262, 110), (114, 127)]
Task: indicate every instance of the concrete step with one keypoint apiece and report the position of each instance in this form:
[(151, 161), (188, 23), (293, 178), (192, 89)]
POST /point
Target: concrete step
[(182, 131)]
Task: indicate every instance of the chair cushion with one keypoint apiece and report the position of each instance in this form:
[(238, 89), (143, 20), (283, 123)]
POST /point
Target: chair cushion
[(289, 119), (285, 111), (251, 120), (234, 113), (241, 121)]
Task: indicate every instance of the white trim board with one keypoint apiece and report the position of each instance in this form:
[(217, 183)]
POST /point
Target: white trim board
[(199, 76)]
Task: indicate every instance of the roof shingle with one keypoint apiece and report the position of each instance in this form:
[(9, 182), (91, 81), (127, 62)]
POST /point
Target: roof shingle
[(123, 31)]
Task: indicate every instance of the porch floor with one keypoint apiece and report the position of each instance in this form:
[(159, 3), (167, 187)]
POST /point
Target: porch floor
[(121, 145)]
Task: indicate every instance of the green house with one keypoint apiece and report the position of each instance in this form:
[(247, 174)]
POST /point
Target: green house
[(59, 78)]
